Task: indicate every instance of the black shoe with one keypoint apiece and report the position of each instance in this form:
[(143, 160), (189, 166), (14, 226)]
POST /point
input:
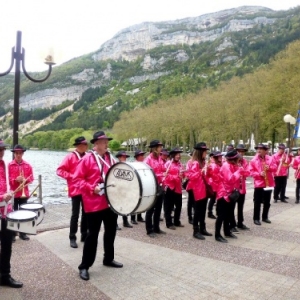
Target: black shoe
[(141, 220), (118, 228), (284, 201), (134, 222), (172, 227), (211, 216), (234, 230), (275, 200), (83, 237), (152, 235), (257, 222), (84, 274), (220, 239), (266, 221), (159, 231), (297, 202), (113, 264), (198, 235), (24, 237), (191, 221), (73, 243), (9, 281), (13, 239), (243, 227), (204, 232), (231, 235), (127, 225), (285, 197)]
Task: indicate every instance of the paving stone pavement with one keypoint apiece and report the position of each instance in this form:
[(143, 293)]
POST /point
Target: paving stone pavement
[(262, 263)]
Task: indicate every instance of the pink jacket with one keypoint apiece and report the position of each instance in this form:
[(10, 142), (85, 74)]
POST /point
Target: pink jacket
[(283, 170), (157, 166), (87, 176), (3, 188), (213, 178), (296, 164), (173, 180), (244, 163), (257, 166), (15, 170), (230, 176), (196, 182), (67, 169)]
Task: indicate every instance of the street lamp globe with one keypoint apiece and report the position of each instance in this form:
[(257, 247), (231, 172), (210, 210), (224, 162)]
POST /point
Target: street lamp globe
[(287, 118)]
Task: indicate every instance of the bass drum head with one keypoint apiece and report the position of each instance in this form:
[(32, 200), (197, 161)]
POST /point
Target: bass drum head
[(123, 188)]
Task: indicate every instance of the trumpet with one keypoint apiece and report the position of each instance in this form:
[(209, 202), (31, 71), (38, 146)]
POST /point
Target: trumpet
[(23, 183), (286, 160), (264, 169)]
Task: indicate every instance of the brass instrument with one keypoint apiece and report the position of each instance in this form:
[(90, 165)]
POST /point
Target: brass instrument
[(23, 195), (264, 169), (286, 160)]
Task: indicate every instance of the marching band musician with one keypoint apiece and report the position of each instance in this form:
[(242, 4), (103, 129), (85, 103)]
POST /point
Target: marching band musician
[(66, 170), (262, 168), (155, 161), (195, 173), (241, 149), (282, 161), (90, 177), (6, 235), (122, 156), (20, 173), (230, 174), (164, 155), (296, 167), (139, 156), (173, 197), (213, 179)]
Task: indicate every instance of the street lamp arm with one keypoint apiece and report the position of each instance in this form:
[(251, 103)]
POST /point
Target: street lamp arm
[(28, 76), (11, 64)]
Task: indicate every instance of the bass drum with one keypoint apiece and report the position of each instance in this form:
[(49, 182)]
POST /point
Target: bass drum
[(131, 187)]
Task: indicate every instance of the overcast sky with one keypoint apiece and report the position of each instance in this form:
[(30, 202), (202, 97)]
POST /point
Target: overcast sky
[(74, 28)]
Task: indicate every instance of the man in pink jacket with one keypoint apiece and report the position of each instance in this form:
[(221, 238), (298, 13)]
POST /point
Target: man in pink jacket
[(90, 177), (5, 235), (66, 170), (262, 168), (282, 161)]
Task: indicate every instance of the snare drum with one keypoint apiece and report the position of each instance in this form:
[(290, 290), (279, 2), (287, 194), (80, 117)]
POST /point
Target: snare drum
[(37, 208), (131, 187), (22, 221)]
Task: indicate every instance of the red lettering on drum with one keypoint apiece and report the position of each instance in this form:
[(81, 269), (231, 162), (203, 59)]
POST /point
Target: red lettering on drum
[(123, 174)]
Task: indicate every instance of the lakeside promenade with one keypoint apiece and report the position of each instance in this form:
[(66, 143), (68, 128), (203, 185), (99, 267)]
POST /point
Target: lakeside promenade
[(263, 263)]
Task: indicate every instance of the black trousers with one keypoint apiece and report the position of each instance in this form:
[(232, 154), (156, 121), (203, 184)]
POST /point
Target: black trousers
[(94, 221), (211, 203), (190, 204), (76, 203), (139, 217), (240, 211), (261, 197), (6, 249), (297, 189), (153, 215), (199, 216), (172, 200), (280, 186), (223, 210)]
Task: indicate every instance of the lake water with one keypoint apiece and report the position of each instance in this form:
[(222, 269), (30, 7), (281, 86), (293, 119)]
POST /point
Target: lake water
[(45, 163)]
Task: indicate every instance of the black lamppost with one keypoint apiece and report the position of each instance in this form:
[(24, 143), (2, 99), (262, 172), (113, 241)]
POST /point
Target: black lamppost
[(18, 56)]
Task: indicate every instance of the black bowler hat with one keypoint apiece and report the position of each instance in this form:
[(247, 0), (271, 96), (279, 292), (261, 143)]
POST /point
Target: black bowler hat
[(201, 146), (229, 147), (165, 151), (241, 147), (175, 151), (261, 146), (281, 146), (3, 145), (18, 148), (217, 153), (155, 143), (80, 140), (232, 154), (138, 152), (99, 135), (122, 153)]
